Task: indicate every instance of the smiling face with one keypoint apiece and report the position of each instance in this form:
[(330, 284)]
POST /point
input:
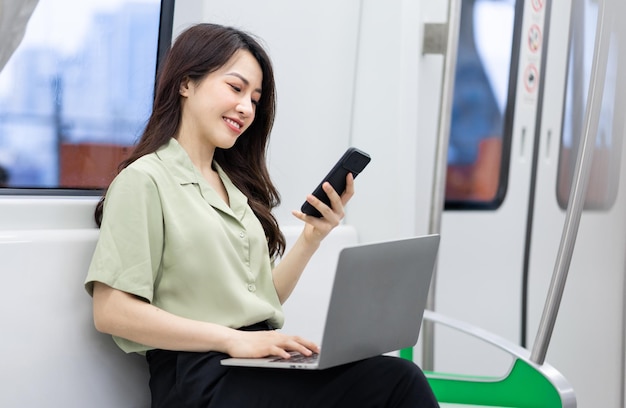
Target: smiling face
[(217, 109)]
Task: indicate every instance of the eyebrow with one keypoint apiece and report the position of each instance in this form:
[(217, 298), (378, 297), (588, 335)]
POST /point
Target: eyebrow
[(245, 81)]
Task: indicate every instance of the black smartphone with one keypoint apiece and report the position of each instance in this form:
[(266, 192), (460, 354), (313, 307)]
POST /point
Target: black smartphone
[(353, 161)]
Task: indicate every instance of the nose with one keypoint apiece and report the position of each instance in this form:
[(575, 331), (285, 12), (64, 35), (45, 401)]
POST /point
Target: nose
[(245, 107)]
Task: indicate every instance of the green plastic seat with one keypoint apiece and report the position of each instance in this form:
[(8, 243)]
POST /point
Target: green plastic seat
[(527, 385)]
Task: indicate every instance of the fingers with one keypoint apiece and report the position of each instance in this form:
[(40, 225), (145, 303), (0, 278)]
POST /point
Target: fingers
[(298, 344), (349, 192), (333, 212), (331, 215), (271, 343), (294, 343), (318, 228), (335, 199), (307, 347), (337, 202)]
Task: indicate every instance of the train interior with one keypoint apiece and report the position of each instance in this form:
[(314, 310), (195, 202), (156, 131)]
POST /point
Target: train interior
[(497, 124)]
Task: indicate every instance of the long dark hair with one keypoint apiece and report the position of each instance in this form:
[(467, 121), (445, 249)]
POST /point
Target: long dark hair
[(198, 51)]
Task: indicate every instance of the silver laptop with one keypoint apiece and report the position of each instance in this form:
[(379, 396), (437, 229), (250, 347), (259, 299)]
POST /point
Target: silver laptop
[(376, 305)]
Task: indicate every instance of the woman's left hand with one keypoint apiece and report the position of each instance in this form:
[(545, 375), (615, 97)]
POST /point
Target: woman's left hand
[(290, 267), (316, 229)]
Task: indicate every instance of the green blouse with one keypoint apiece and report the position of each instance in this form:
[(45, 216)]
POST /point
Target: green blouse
[(167, 237)]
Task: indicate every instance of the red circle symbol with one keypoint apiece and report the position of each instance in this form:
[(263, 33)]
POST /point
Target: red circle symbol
[(531, 78), (534, 38)]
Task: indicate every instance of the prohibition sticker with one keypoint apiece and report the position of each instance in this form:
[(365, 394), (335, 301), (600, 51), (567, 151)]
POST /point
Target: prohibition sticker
[(537, 4), (534, 38), (531, 78)]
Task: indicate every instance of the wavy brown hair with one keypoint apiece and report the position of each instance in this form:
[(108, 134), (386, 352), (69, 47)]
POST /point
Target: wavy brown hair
[(198, 51)]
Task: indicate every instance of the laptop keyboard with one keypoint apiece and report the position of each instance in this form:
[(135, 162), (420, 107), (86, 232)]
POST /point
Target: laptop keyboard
[(297, 358)]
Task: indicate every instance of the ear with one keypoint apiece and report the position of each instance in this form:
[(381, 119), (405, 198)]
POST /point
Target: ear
[(184, 87)]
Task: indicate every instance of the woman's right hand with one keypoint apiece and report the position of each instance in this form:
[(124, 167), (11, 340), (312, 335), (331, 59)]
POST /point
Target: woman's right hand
[(257, 344), (124, 315)]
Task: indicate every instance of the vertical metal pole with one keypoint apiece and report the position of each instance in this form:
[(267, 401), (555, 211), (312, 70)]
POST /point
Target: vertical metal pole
[(579, 187), (441, 164)]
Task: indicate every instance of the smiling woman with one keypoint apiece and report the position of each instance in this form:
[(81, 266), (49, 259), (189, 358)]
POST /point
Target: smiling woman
[(54, 134), (216, 110), (227, 96), (184, 269)]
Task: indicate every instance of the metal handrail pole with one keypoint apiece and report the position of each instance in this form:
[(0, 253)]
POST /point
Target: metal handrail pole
[(578, 190), (441, 164)]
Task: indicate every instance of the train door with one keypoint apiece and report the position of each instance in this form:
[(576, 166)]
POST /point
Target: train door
[(587, 345), (483, 228), (497, 255)]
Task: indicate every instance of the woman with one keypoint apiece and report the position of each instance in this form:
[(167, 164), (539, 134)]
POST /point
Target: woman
[(183, 270)]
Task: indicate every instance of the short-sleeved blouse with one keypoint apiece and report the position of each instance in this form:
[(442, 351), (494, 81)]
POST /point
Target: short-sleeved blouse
[(167, 237)]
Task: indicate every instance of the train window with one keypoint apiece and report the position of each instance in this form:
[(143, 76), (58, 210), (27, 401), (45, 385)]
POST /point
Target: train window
[(604, 177), (477, 150), (77, 91)]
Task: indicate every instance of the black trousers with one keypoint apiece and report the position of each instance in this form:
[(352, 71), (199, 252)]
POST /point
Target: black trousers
[(186, 379)]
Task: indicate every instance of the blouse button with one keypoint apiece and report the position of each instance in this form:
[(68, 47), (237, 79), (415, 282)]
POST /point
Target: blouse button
[(251, 287), (241, 235)]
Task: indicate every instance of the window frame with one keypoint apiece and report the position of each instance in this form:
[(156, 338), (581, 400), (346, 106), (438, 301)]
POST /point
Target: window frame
[(164, 40), (569, 155), (507, 128)]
